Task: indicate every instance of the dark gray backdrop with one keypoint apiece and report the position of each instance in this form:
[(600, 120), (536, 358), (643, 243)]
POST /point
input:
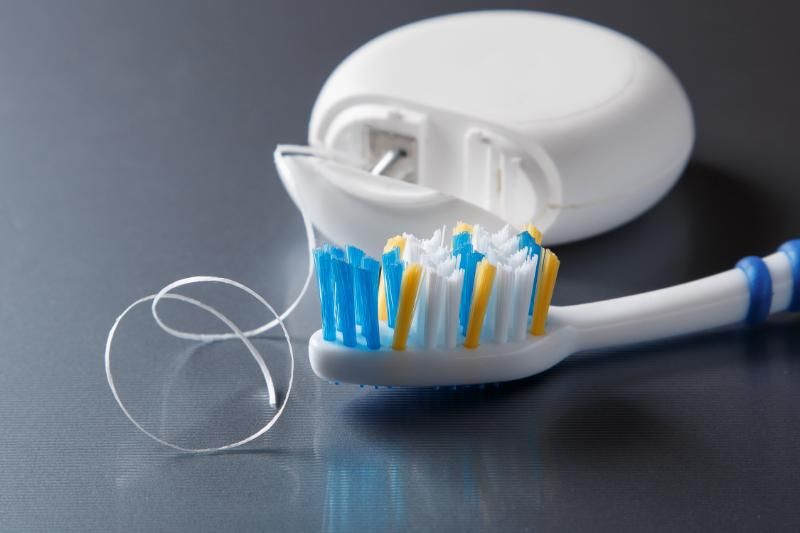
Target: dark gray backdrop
[(135, 148)]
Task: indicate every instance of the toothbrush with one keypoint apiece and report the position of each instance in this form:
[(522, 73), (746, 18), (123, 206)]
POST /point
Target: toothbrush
[(479, 311)]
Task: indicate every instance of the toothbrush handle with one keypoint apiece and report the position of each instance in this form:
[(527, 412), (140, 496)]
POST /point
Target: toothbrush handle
[(739, 295)]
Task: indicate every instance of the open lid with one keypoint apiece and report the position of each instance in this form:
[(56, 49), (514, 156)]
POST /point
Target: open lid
[(351, 205)]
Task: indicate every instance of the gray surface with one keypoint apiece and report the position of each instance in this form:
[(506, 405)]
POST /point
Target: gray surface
[(135, 148)]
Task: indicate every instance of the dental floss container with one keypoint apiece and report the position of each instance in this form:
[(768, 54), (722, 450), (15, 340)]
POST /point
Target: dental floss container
[(493, 117)]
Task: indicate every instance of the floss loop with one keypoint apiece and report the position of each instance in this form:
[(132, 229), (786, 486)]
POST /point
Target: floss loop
[(236, 333)]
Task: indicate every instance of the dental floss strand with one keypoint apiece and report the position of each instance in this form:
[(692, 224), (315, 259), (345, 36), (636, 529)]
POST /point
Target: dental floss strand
[(236, 333)]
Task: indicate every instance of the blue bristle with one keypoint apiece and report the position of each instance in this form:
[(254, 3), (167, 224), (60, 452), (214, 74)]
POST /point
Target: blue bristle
[(466, 292), (534, 249), (461, 239), (535, 280), (526, 240), (345, 301), (348, 287), (463, 252), (392, 256), (354, 257), (371, 265), (322, 261), (335, 251), (393, 277), (367, 300)]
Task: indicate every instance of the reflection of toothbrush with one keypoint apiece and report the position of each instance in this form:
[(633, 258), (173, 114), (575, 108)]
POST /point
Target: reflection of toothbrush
[(460, 316)]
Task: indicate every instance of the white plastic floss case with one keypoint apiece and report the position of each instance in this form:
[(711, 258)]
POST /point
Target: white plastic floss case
[(490, 117)]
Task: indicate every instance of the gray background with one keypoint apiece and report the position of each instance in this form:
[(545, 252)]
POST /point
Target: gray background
[(135, 148)]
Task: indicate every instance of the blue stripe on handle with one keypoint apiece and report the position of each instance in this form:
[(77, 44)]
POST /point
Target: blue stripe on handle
[(792, 251), (760, 283)]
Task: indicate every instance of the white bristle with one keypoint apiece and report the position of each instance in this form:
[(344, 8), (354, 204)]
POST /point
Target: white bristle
[(502, 236), (434, 243), (488, 319), (497, 247), (504, 289), (452, 301), (421, 309), (447, 266), (433, 317), (517, 258), (523, 285), (437, 256), (508, 248), (413, 249), (480, 239)]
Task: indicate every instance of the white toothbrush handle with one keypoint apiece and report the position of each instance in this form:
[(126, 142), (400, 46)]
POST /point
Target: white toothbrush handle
[(707, 303)]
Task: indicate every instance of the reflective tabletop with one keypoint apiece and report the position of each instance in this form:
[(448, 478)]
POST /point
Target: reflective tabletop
[(136, 146)]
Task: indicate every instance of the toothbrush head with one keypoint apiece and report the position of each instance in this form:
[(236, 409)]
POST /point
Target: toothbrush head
[(435, 313), (417, 366)]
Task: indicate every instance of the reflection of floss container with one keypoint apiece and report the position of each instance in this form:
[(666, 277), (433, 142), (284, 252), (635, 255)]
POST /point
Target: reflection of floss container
[(494, 117)]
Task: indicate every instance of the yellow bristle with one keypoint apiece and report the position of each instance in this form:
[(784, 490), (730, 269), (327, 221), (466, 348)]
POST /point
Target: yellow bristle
[(544, 292), (405, 309), (461, 227), (484, 281), (535, 233), (398, 241)]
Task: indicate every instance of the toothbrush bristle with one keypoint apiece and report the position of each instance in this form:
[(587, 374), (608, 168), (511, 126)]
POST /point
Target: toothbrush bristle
[(345, 301), (355, 256), (405, 308), (392, 277), (486, 287), (470, 260), (484, 283), (461, 239), (399, 242), (322, 262), (545, 293), (367, 299), (462, 227)]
